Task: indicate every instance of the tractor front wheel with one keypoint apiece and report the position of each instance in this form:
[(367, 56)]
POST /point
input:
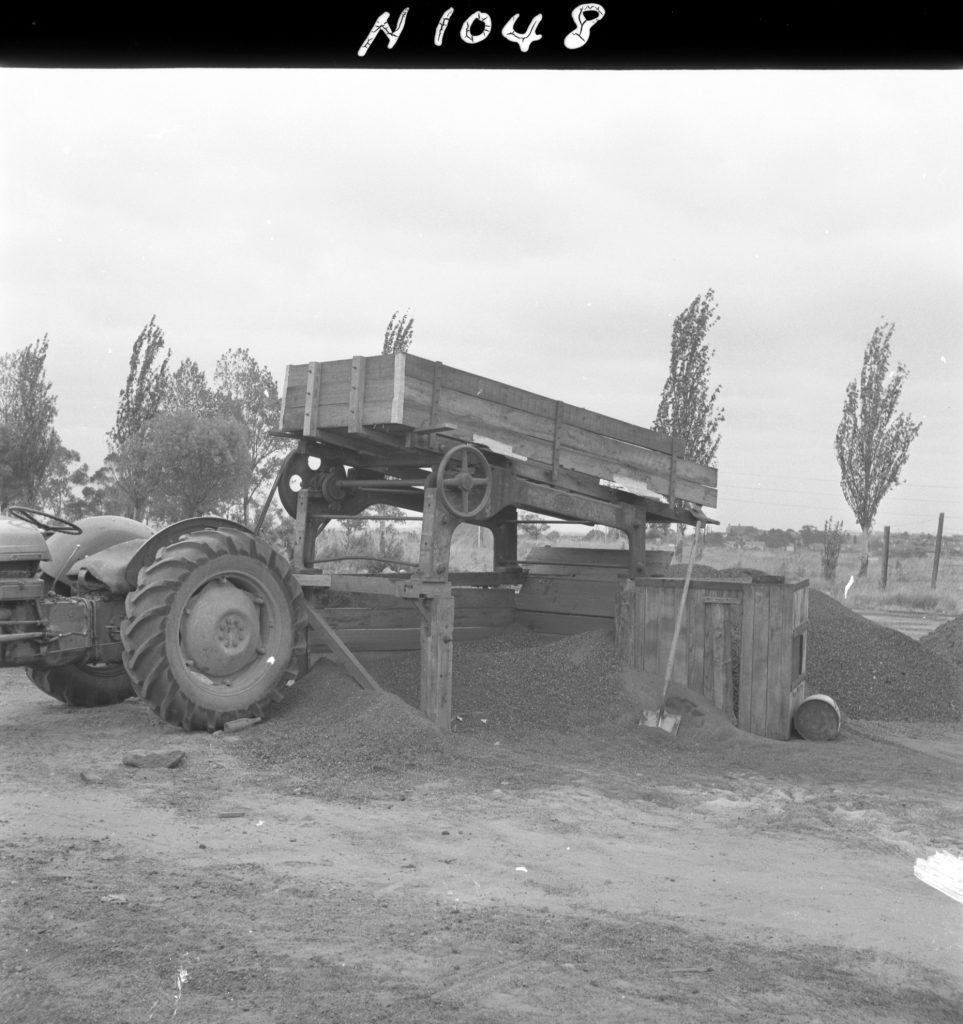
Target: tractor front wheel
[(83, 686), (216, 629)]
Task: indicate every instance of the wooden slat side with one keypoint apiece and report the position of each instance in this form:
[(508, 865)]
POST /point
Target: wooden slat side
[(619, 451), (533, 435), (780, 661), (292, 400), (696, 640), (747, 642), (680, 663), (760, 660), (519, 398)]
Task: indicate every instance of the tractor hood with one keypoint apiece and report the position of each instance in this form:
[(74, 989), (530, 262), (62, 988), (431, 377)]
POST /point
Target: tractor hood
[(97, 534), (21, 542)]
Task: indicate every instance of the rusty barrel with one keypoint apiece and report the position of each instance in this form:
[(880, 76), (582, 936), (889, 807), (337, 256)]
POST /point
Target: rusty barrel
[(818, 718)]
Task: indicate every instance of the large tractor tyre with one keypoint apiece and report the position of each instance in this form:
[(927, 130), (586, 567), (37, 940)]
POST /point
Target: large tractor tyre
[(84, 686), (216, 629)]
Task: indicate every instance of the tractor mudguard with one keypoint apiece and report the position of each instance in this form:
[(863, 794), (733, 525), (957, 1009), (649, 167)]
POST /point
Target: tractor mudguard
[(149, 549)]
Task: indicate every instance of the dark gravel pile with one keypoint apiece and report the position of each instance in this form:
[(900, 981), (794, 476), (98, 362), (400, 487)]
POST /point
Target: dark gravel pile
[(947, 641), (518, 679), (339, 740), (874, 672)]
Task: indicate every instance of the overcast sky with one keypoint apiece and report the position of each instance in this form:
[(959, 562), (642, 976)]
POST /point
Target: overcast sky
[(543, 228)]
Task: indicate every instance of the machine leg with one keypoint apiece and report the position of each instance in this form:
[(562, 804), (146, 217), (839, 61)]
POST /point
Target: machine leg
[(437, 633), (505, 540)]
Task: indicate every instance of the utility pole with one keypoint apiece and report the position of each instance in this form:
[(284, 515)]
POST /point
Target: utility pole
[(882, 581), (936, 554)]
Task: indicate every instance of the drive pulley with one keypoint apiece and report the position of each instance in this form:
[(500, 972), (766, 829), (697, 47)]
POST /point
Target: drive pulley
[(464, 479)]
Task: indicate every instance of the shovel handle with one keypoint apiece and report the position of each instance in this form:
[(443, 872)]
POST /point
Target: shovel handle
[(678, 618)]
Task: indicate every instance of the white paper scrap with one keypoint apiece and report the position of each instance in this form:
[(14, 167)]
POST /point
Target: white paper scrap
[(943, 871)]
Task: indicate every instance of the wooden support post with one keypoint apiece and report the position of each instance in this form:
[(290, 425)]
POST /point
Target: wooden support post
[(505, 540), (305, 535), (636, 535), (438, 612), (437, 633)]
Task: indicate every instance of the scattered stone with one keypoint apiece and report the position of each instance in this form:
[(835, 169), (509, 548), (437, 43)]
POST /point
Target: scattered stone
[(91, 778), (153, 759), (241, 723)]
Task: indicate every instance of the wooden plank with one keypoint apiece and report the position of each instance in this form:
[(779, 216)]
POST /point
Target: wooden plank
[(668, 602), (680, 663), (312, 388), (550, 555), (356, 396), (585, 597), (696, 640), (779, 667), (550, 622), (340, 651), (628, 625), (746, 644), (760, 659), (403, 638), (409, 616), (721, 695), (495, 391), (398, 390)]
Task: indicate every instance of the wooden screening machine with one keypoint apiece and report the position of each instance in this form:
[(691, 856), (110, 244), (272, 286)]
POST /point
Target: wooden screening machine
[(408, 432)]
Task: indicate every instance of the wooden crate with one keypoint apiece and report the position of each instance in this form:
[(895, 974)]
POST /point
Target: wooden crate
[(377, 399), (741, 645)]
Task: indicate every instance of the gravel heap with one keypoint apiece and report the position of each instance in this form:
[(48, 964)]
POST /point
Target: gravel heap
[(518, 680), (877, 673), (341, 740), (947, 641)]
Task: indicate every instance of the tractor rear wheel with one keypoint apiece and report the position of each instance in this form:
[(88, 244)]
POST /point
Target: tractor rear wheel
[(216, 629), (84, 686)]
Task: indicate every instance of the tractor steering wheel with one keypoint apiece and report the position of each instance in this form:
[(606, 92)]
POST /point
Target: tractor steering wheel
[(45, 522)]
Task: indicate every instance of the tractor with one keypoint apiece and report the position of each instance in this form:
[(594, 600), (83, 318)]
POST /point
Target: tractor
[(203, 620)]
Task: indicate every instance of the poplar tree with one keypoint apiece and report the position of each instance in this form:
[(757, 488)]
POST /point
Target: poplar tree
[(146, 386), (399, 333), (872, 440), (687, 410), (28, 441)]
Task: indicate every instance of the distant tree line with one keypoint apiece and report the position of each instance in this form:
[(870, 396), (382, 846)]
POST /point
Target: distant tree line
[(180, 446)]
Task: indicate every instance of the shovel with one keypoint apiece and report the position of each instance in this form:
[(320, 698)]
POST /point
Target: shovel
[(660, 719)]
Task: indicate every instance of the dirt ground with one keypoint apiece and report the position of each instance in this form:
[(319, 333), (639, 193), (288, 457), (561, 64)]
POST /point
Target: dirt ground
[(603, 874)]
